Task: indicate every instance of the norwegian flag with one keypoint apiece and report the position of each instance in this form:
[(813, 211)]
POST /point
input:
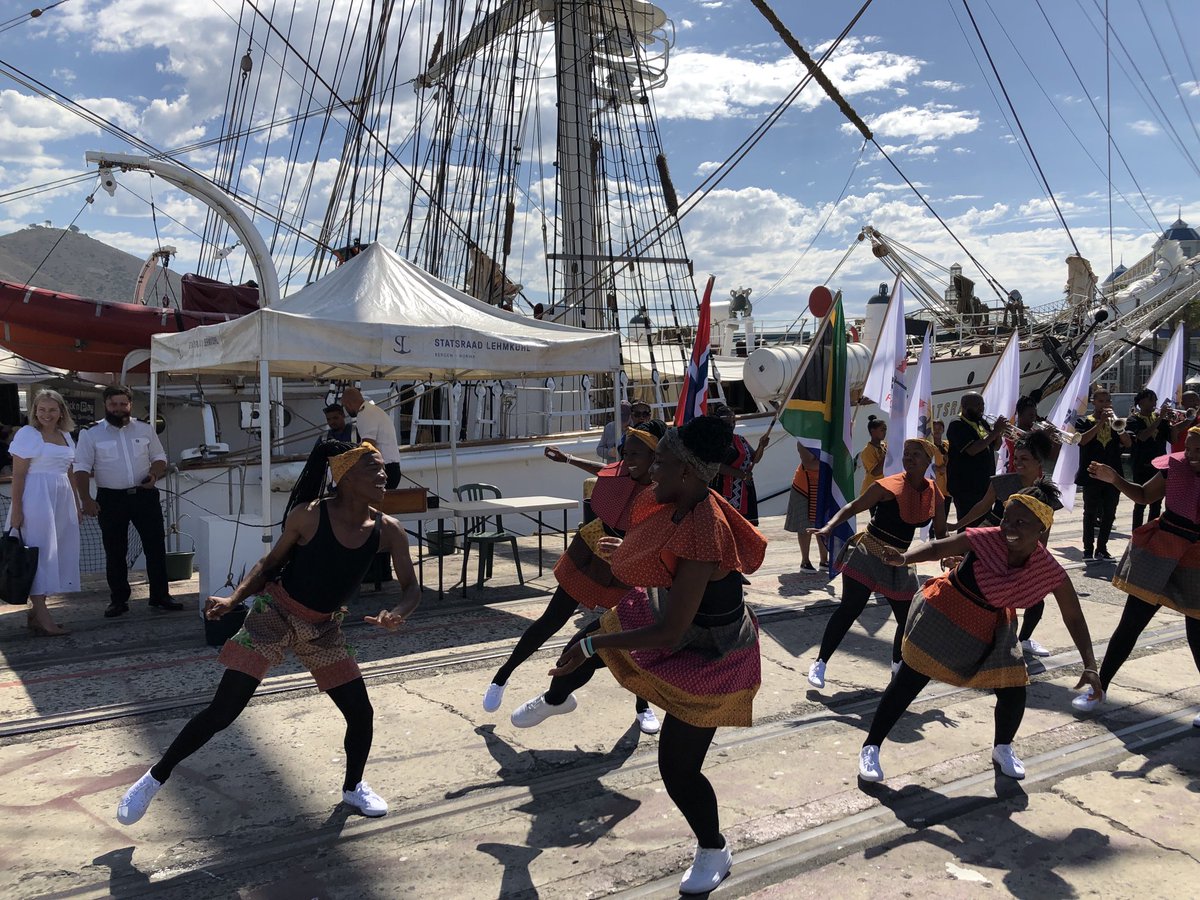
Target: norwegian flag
[(694, 400)]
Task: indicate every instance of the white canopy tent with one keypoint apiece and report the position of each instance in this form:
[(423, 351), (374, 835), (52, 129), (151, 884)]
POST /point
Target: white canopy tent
[(378, 316)]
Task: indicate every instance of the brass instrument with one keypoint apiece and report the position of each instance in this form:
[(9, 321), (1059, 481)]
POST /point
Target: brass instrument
[(1118, 425), (1179, 416), (1055, 433)]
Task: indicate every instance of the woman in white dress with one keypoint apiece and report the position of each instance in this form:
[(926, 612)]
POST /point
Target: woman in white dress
[(45, 505)]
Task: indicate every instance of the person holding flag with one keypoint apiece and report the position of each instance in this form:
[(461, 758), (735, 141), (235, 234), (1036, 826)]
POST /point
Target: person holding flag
[(735, 479)]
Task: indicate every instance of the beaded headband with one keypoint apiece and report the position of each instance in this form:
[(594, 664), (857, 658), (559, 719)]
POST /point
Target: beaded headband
[(672, 443)]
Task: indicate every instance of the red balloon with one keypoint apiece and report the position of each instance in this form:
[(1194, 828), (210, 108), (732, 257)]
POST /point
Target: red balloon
[(820, 301)]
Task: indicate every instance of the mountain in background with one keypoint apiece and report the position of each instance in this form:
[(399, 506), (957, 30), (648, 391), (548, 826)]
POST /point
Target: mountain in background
[(79, 265)]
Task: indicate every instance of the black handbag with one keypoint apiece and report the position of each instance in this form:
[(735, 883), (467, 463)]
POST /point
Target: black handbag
[(18, 565)]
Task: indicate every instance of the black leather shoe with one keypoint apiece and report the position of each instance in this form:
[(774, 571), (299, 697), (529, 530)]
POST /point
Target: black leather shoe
[(166, 604), (1103, 554), (115, 609)]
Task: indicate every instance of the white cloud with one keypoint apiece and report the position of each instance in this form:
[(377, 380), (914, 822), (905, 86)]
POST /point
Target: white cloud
[(685, 24), (707, 85), (706, 167), (1192, 88), (932, 122), (28, 124), (1144, 126), (939, 85)]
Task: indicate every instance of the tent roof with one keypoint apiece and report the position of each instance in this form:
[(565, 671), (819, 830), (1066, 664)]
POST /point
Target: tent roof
[(379, 316)]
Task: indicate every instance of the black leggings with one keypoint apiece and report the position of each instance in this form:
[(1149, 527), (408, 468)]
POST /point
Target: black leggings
[(681, 751), (557, 613), (235, 691), (903, 690), (855, 595), (1134, 619), (1030, 619)]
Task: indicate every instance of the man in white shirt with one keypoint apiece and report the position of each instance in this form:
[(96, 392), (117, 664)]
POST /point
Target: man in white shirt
[(374, 425), (127, 460)]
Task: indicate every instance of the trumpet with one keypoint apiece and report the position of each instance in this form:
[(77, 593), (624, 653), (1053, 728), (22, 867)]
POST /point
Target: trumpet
[(1055, 433), (1118, 425), (1174, 416)]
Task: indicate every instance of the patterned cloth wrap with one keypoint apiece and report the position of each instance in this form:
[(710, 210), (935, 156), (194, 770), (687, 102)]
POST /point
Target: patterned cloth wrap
[(710, 678), (276, 623), (586, 577), (968, 640), (861, 558), (1161, 565)]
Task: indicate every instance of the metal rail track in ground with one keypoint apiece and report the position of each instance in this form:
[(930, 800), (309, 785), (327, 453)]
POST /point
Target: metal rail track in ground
[(301, 681), (755, 867)]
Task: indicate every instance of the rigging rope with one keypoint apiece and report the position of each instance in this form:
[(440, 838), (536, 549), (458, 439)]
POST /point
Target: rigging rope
[(1020, 127)]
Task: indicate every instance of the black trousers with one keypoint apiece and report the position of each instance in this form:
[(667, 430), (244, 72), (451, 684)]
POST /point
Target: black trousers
[(1141, 475), (119, 510), (1099, 513), (966, 498), (393, 474)]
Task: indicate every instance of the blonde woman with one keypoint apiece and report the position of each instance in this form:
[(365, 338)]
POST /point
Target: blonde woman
[(45, 506)]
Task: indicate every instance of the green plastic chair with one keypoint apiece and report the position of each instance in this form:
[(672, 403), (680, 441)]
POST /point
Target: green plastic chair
[(478, 530)]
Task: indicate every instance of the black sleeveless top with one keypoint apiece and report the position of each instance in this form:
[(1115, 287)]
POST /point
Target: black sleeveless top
[(322, 574), (722, 602)]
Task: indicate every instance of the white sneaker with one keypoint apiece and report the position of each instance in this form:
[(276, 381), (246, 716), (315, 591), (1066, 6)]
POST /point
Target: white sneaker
[(707, 871), (536, 711), (816, 674), (493, 697), (1086, 701), (868, 763), (1033, 648), (366, 801), (648, 721), (1003, 756), (137, 799)]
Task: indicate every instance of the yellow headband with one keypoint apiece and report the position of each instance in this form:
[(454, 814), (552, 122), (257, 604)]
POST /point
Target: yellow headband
[(339, 465), (925, 443), (644, 436), (1044, 513)]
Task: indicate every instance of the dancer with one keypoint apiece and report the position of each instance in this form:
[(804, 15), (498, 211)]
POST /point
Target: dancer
[(873, 454), (900, 505), (1030, 456), (585, 579), (735, 479), (298, 589), (45, 505), (802, 507), (688, 642), (962, 630), (1161, 566)]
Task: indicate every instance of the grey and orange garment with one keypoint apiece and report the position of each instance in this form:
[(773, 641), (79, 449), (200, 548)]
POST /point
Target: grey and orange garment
[(1161, 565), (962, 628)]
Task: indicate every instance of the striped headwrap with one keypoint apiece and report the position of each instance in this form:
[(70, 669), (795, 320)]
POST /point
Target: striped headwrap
[(644, 436), (1044, 513)]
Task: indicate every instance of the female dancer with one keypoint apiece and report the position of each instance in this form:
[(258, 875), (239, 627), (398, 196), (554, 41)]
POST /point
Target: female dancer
[(688, 642), (1030, 456), (45, 506), (735, 478), (298, 589), (1161, 565), (962, 629), (900, 505), (584, 579)]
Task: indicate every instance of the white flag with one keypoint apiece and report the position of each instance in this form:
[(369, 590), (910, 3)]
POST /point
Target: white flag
[(1167, 378), (885, 381), (1003, 390), (1072, 401), (918, 422)]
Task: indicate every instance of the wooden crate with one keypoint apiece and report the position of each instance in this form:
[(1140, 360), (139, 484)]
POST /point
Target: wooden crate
[(404, 500)]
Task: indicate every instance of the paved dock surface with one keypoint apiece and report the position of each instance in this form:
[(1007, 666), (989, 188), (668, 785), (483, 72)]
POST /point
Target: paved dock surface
[(575, 808)]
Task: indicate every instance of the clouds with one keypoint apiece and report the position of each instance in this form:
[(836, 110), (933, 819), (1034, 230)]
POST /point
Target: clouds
[(28, 124), (1144, 127), (931, 122)]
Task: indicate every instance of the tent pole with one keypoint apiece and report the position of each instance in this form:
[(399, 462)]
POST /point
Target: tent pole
[(454, 398), (264, 433)]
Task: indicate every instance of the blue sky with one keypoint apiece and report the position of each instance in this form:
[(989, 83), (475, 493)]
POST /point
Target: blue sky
[(912, 69)]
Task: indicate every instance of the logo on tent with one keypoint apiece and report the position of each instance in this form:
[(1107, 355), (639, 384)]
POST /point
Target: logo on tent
[(398, 341)]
